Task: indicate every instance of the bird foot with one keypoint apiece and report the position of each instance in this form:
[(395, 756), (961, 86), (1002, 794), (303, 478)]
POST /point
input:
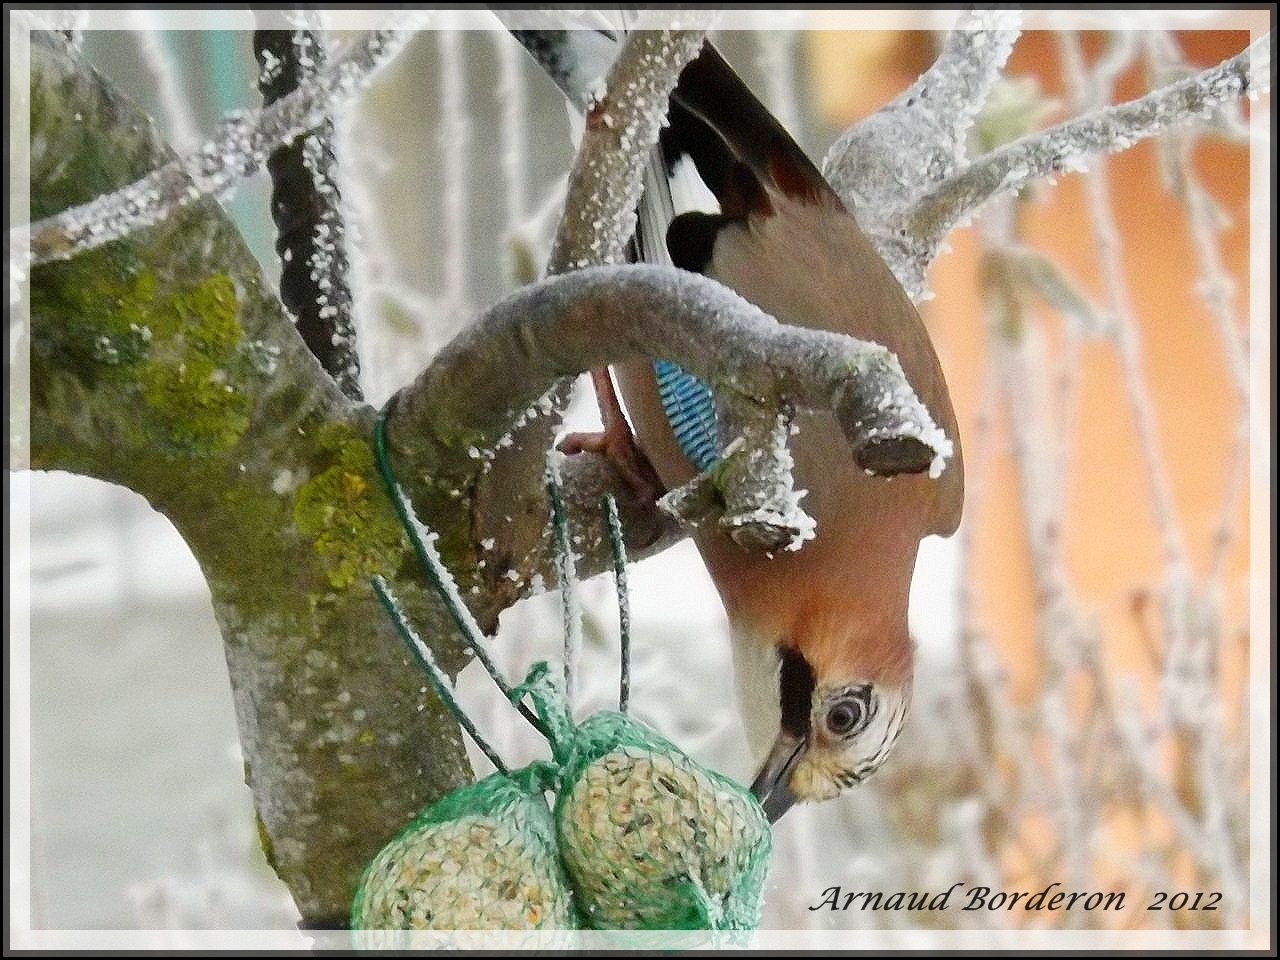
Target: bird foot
[(618, 445)]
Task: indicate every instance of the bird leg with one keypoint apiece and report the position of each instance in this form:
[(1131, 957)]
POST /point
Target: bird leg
[(616, 442)]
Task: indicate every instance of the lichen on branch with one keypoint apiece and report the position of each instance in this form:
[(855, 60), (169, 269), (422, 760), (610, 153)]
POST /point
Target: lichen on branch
[(163, 362)]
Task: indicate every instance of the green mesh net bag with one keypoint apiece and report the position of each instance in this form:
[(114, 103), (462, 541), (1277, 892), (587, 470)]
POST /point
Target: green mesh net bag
[(653, 840), (642, 837), (482, 858)]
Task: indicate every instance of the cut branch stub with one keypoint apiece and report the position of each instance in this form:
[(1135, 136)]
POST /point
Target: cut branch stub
[(895, 455), (755, 480), (890, 431)]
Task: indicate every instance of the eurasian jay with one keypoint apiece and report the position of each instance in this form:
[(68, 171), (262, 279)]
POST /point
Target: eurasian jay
[(821, 647)]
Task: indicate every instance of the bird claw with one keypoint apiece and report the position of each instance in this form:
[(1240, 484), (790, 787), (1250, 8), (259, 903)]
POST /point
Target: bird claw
[(617, 444)]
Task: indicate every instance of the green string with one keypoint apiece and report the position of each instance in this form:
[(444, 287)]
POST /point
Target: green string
[(649, 839), (567, 576), (544, 690), (619, 549), (428, 662), (438, 574)]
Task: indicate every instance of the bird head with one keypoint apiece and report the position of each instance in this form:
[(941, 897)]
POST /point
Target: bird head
[(831, 736), (824, 672)]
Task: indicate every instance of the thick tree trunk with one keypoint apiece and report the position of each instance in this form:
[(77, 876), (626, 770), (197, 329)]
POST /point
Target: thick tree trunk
[(163, 362)]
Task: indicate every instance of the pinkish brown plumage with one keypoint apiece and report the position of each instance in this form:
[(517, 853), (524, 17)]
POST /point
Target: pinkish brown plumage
[(826, 626)]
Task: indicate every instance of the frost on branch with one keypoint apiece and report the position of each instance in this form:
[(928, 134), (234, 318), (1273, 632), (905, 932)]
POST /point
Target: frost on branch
[(604, 315), (306, 208), (1070, 146), (882, 165), (902, 174), (1107, 747), (622, 126), (598, 221), (242, 146), (762, 506)]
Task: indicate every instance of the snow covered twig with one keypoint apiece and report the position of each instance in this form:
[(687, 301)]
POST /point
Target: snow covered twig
[(604, 315), (240, 148), (606, 182), (1068, 146), (307, 209)]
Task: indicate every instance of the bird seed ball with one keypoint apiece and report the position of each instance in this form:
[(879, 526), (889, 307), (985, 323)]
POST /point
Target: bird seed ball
[(654, 841), (490, 870)]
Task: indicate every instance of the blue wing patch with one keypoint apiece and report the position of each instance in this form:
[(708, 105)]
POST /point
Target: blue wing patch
[(691, 411)]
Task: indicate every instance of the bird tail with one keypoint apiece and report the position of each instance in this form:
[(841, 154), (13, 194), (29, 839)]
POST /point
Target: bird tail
[(741, 150)]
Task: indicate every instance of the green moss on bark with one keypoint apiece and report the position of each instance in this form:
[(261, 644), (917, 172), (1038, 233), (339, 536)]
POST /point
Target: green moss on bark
[(176, 352), (345, 512)]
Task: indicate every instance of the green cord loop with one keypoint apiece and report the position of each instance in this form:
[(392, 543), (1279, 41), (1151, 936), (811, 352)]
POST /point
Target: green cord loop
[(431, 563), (549, 700), (567, 577), (427, 661), (639, 835), (613, 523)]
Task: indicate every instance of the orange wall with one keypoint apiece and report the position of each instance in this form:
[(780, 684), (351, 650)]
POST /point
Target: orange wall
[(1112, 550)]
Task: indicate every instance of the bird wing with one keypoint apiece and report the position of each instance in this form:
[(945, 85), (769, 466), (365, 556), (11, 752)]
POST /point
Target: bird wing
[(783, 239)]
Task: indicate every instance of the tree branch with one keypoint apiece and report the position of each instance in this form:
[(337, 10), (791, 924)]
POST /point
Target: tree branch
[(1069, 146), (608, 175), (509, 507), (927, 122), (241, 148), (306, 208), (882, 165), (901, 169), (606, 315), (762, 506), (957, 84), (163, 362)]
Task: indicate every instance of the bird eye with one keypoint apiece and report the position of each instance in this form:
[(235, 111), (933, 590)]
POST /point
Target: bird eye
[(846, 717)]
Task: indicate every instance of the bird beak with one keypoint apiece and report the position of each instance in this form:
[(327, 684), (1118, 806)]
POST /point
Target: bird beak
[(772, 786)]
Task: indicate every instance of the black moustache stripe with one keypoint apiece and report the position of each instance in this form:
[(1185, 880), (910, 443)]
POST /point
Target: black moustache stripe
[(795, 692)]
